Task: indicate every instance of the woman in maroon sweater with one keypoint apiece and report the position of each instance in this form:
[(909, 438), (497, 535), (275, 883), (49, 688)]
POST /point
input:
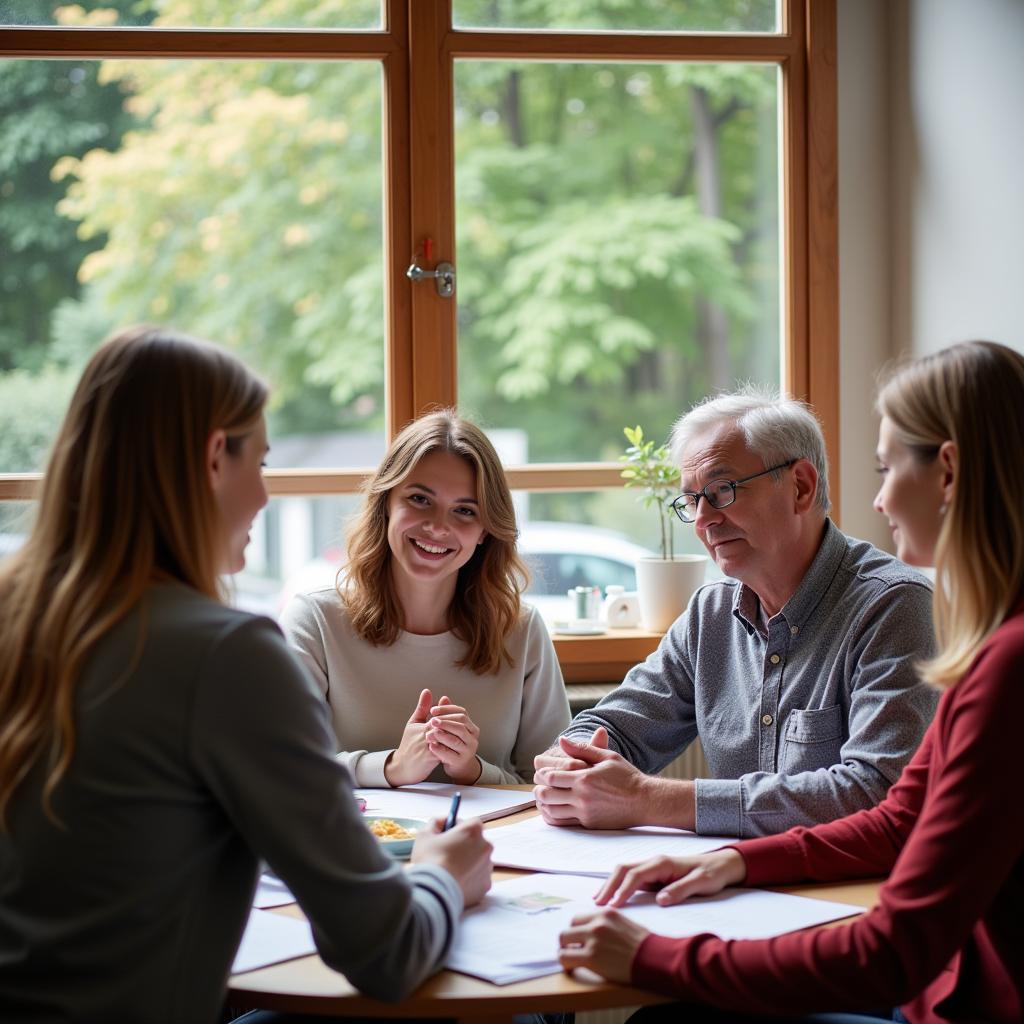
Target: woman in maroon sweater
[(946, 941)]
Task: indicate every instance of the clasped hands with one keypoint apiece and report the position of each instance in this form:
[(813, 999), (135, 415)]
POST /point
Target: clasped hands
[(441, 733), (587, 784)]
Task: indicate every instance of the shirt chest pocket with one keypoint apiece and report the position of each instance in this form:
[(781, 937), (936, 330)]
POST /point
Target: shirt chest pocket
[(812, 740)]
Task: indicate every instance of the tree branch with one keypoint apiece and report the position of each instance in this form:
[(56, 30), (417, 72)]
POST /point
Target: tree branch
[(732, 107)]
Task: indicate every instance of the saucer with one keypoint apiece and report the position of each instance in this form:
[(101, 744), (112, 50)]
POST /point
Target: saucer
[(579, 627)]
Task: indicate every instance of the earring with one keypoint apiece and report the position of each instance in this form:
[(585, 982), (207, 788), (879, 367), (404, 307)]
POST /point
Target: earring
[(942, 509)]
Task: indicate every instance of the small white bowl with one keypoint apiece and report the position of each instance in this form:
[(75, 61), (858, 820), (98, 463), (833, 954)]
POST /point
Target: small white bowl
[(398, 848)]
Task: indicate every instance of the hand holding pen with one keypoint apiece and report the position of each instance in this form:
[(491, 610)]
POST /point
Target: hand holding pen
[(458, 848)]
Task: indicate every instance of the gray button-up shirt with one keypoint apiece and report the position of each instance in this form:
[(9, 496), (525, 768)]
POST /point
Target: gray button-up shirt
[(804, 719)]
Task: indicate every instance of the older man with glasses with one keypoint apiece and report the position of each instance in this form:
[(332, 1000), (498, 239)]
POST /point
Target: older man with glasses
[(796, 671)]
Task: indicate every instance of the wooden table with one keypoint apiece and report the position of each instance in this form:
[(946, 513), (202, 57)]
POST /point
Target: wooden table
[(307, 985)]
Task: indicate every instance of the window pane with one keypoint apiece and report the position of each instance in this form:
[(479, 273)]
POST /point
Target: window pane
[(589, 538), (15, 525), (240, 201), (618, 244), (297, 546), (638, 16), (305, 14)]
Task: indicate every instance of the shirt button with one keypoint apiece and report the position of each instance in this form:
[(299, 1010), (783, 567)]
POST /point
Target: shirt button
[(767, 720), (793, 630), (774, 659)]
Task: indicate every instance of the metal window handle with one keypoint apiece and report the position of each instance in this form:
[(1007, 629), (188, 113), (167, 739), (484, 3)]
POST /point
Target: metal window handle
[(443, 275)]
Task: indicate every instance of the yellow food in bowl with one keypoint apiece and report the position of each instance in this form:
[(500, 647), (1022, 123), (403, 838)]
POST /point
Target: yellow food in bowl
[(385, 828)]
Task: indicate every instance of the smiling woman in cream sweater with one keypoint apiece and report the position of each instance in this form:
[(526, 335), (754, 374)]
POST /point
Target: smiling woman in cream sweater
[(432, 667)]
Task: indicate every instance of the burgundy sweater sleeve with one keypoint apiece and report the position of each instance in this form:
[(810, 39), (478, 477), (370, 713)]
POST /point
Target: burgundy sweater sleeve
[(965, 841), (861, 845)]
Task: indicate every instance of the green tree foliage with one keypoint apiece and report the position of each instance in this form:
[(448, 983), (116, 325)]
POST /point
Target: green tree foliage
[(609, 247), (248, 210), (48, 110), (622, 15), (249, 213), (31, 408)]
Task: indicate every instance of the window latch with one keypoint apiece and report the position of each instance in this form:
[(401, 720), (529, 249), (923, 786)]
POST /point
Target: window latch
[(443, 275)]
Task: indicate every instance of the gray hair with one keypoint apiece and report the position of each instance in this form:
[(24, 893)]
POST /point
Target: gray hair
[(776, 428)]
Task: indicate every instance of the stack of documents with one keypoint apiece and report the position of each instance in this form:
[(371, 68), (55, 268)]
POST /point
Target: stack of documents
[(513, 934)]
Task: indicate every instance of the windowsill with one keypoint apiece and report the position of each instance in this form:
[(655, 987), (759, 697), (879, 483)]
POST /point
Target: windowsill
[(606, 658)]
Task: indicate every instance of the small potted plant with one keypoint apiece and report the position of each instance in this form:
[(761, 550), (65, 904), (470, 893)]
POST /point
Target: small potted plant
[(666, 584)]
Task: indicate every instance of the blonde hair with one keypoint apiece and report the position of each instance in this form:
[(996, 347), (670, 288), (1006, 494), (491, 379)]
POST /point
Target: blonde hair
[(486, 606), (126, 500), (973, 395)]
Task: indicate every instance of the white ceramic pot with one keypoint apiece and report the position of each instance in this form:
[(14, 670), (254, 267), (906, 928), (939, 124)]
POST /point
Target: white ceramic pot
[(665, 586)]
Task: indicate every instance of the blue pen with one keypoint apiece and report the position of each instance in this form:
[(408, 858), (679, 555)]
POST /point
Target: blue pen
[(453, 812)]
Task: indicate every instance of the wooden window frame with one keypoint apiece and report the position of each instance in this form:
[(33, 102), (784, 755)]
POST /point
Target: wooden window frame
[(420, 361)]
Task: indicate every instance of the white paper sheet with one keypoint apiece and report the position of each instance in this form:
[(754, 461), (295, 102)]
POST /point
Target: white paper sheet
[(432, 800), (272, 892), (533, 845), (506, 938), (271, 938)]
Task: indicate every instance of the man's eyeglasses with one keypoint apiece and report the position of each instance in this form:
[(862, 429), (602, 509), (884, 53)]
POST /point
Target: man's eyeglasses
[(718, 493)]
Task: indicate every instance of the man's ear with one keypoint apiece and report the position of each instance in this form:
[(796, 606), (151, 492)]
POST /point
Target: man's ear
[(949, 460), (216, 453), (805, 477)]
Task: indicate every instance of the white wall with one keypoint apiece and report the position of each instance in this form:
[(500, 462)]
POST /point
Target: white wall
[(958, 163), (931, 199)]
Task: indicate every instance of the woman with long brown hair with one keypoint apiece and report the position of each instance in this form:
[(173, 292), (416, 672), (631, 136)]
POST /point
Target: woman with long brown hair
[(945, 942), (154, 743), (426, 617)]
